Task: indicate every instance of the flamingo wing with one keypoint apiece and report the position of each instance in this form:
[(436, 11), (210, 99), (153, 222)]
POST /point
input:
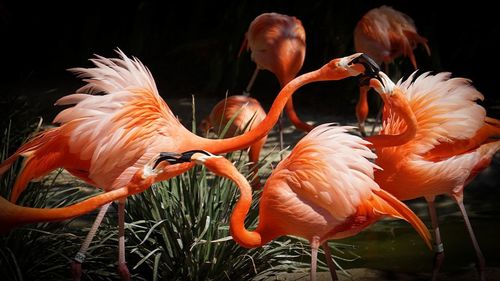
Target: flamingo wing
[(117, 119), (445, 108), (331, 169)]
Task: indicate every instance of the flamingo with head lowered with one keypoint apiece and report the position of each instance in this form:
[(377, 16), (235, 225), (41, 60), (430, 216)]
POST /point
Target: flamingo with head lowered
[(323, 190), (278, 44), (241, 114), (384, 34), (119, 122)]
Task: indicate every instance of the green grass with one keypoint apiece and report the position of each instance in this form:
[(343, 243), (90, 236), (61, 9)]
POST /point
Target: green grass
[(180, 229)]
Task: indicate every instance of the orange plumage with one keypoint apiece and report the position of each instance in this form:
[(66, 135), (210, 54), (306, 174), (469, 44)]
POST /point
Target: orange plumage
[(119, 122), (242, 113), (278, 43), (323, 190), (384, 34), (448, 141)]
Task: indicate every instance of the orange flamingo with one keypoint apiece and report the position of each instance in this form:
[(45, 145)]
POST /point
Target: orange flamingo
[(105, 139), (384, 34), (449, 141), (278, 43), (323, 190), (242, 113)]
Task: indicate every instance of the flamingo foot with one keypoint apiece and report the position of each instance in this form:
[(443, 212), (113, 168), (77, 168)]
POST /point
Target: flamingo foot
[(123, 271), (480, 267), (438, 261), (76, 271)]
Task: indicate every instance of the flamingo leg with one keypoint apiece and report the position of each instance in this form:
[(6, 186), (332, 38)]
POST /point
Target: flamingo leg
[(76, 266), (314, 257), (280, 130), (250, 83), (122, 264), (479, 254), (438, 244), (329, 261), (362, 130), (378, 119)]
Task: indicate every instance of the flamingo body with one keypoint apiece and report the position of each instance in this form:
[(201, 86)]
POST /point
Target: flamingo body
[(385, 34), (243, 113), (325, 188), (445, 154), (278, 43)]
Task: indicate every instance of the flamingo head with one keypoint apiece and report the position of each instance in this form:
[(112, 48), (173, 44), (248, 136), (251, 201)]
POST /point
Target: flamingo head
[(349, 66), (380, 83)]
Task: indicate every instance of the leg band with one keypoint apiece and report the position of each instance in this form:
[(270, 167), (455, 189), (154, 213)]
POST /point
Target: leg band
[(438, 248), (79, 257)]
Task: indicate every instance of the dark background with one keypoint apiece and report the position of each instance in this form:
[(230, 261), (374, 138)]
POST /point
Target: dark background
[(191, 48)]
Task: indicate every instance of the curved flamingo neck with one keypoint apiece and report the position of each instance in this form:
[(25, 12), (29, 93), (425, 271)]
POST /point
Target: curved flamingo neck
[(217, 146), (399, 104), (12, 215), (362, 104), (248, 239)]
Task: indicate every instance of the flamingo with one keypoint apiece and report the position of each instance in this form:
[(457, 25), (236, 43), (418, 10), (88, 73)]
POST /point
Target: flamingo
[(384, 34), (242, 113), (118, 122), (323, 190), (278, 43), (449, 140)]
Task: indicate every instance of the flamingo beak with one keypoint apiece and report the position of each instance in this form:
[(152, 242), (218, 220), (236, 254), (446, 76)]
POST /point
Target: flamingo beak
[(349, 66), (170, 157), (178, 158), (372, 70), (371, 67)]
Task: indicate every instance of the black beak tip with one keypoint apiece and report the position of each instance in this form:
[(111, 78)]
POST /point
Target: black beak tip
[(177, 158), (172, 158), (371, 67)]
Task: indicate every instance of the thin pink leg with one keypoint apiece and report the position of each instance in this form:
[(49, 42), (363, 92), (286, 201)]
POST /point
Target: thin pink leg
[(329, 261), (122, 264), (480, 258), (378, 118), (438, 244), (280, 129), (250, 83), (76, 266), (314, 257)]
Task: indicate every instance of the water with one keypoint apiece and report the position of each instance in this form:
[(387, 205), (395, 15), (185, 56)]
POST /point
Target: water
[(394, 245)]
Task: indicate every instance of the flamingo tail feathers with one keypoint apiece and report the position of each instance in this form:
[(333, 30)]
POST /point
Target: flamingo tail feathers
[(386, 204)]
